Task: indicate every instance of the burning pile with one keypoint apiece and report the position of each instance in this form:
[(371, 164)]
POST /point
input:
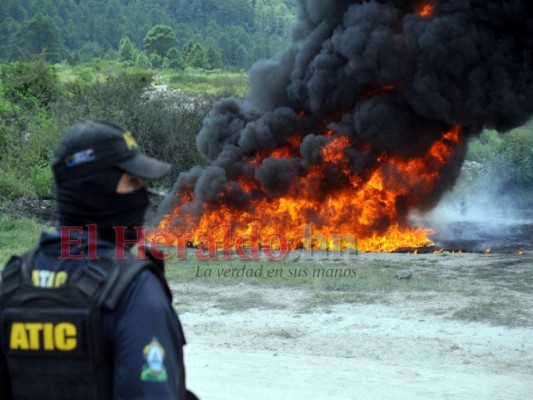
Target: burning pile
[(363, 119)]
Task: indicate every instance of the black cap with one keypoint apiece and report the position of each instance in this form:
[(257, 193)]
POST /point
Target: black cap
[(90, 147)]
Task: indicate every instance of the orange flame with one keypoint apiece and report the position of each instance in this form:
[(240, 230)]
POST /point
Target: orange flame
[(334, 151), (427, 11), (364, 213)]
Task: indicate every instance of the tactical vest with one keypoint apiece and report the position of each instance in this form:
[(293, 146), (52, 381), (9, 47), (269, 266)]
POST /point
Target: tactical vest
[(52, 338)]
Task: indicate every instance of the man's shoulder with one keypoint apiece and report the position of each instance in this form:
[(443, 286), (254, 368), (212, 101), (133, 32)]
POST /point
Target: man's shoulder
[(143, 304), (147, 285)]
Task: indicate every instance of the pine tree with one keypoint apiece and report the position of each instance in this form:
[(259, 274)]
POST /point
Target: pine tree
[(15, 10), (213, 56), (142, 60), (197, 58), (155, 60), (175, 59), (39, 36), (127, 51), (187, 49)]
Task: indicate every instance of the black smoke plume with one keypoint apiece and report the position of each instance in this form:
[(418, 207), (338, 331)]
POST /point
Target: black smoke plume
[(380, 73)]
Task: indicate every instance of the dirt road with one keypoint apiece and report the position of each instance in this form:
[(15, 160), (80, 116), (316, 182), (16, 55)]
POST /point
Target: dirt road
[(252, 342)]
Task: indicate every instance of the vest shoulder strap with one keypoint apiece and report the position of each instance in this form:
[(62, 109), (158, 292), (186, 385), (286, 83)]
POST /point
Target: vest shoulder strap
[(16, 271), (128, 272)]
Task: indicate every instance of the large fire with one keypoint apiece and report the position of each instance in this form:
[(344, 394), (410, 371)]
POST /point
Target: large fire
[(358, 123), (368, 213)]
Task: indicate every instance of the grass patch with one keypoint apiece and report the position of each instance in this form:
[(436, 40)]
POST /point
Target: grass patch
[(33, 183), (96, 70), (498, 310), (17, 235), (217, 82), (356, 280), (198, 81)]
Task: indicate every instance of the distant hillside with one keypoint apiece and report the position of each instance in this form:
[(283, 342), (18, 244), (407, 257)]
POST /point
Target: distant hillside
[(230, 33)]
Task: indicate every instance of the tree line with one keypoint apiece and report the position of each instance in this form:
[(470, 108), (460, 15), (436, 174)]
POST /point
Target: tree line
[(175, 33)]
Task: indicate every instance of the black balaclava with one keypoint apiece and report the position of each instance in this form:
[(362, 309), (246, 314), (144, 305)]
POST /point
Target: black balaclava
[(93, 200)]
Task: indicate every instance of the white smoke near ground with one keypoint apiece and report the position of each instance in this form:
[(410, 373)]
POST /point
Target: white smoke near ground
[(480, 212), (475, 199)]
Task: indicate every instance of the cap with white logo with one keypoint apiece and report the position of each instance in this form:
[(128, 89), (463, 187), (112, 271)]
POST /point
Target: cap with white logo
[(90, 147)]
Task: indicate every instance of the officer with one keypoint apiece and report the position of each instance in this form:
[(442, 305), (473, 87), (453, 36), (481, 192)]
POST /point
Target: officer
[(81, 316)]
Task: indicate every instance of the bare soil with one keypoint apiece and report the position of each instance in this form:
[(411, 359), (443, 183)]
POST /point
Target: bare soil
[(473, 341)]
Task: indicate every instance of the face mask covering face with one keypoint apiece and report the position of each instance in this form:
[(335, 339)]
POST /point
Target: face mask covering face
[(94, 200)]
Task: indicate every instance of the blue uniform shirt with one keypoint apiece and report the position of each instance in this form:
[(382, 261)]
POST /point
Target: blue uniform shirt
[(143, 331)]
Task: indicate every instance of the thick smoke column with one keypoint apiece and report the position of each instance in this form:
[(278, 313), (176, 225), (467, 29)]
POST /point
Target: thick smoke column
[(383, 75)]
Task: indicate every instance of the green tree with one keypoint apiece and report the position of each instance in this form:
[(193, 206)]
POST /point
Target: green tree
[(15, 10), (71, 34), (196, 57), (8, 28), (212, 29), (242, 57), (39, 36), (160, 39), (236, 12), (142, 60), (112, 32), (90, 50), (175, 59), (272, 17), (213, 56), (187, 49), (155, 60), (126, 50), (183, 35), (65, 8)]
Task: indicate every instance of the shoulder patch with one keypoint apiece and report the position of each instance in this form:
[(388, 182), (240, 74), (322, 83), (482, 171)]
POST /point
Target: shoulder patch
[(154, 368)]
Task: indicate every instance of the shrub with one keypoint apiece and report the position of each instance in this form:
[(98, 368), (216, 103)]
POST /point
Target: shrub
[(28, 131), (26, 156), (30, 84), (165, 123)]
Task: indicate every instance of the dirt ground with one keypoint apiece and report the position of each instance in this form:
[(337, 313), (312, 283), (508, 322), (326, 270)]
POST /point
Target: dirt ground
[(256, 342)]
